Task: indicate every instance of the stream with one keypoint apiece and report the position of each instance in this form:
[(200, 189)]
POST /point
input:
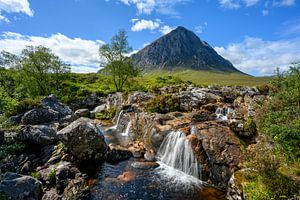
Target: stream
[(125, 181)]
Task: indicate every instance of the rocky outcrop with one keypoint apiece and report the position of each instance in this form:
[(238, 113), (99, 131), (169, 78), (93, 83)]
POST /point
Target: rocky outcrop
[(52, 103), (114, 100), (20, 187), (83, 139), (37, 135), (39, 116)]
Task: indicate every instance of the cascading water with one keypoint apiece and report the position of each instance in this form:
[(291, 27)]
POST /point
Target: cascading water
[(118, 120), (222, 113), (176, 152), (126, 133)]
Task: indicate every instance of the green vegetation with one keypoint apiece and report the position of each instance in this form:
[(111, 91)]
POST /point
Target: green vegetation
[(52, 177), (10, 149), (275, 160), (210, 78), (36, 175), (107, 114), (163, 104), (119, 66)]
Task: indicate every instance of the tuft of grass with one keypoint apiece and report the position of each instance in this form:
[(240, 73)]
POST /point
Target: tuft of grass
[(36, 175)]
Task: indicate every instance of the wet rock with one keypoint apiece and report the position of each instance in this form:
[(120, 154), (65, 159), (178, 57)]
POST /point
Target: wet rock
[(150, 156), (145, 165), (77, 189), (83, 139), (126, 176), (117, 155), (20, 187), (37, 134), (83, 113), (52, 103), (39, 116)]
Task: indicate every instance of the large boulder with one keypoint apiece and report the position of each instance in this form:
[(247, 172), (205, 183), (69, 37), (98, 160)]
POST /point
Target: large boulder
[(19, 187), (52, 102), (90, 102), (139, 97), (192, 99), (39, 116), (37, 134), (83, 139)]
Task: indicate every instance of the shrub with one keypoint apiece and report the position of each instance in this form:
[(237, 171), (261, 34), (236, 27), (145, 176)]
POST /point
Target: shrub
[(23, 106), (163, 104), (11, 149)]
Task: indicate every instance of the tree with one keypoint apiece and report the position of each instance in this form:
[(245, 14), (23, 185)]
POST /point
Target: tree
[(119, 66), (39, 66)]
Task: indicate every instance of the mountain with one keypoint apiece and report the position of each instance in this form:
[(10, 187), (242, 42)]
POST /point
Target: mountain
[(181, 48)]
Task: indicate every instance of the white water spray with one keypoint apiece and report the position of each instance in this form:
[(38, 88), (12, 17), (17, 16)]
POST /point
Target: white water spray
[(176, 152), (222, 113), (118, 120), (126, 133)]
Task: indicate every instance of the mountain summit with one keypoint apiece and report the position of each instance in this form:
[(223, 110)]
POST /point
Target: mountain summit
[(181, 48)]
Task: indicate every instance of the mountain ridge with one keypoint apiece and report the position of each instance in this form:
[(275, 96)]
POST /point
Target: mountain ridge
[(181, 48)]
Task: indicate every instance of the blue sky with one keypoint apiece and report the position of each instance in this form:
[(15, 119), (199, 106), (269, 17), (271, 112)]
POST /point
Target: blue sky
[(255, 35)]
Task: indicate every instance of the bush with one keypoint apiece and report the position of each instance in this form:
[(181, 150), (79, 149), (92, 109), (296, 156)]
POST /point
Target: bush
[(23, 106), (163, 104), (107, 114), (11, 149)]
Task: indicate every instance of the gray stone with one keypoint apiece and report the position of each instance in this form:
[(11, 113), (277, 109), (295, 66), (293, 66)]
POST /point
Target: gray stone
[(83, 139), (51, 102), (82, 113), (37, 134), (20, 187), (39, 116)]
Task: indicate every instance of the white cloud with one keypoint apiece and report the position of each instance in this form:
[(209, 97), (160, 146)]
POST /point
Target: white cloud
[(160, 6), (255, 55), (230, 4), (166, 29), (283, 3), (3, 19), (199, 29), (143, 24), (236, 4), (81, 54), (16, 6)]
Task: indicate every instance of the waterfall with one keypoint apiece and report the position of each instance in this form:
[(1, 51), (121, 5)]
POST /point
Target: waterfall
[(222, 113), (176, 152), (126, 133), (118, 120)]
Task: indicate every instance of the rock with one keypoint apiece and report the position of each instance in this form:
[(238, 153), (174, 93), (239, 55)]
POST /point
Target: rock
[(116, 155), (63, 174), (83, 139), (77, 189), (52, 103), (145, 165), (126, 176), (192, 99), (219, 152), (20, 187), (15, 119), (201, 116), (114, 100), (150, 156), (26, 167), (234, 192), (51, 195), (37, 134), (39, 116), (90, 102), (139, 97), (82, 113), (99, 109)]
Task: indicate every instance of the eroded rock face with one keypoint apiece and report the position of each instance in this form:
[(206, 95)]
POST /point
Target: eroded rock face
[(83, 139), (39, 116), (52, 103), (37, 134), (20, 187), (114, 100)]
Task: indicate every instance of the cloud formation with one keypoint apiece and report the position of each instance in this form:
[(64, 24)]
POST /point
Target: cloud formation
[(257, 56), (143, 24), (149, 6), (16, 6), (236, 4), (81, 54)]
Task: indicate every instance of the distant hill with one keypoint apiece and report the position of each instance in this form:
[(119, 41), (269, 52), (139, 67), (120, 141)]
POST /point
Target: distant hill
[(181, 48)]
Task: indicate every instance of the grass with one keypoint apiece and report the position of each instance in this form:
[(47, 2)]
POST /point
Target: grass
[(211, 78)]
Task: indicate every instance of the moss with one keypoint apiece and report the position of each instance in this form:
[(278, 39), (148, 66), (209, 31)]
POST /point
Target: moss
[(107, 114), (250, 127), (163, 104), (36, 175)]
